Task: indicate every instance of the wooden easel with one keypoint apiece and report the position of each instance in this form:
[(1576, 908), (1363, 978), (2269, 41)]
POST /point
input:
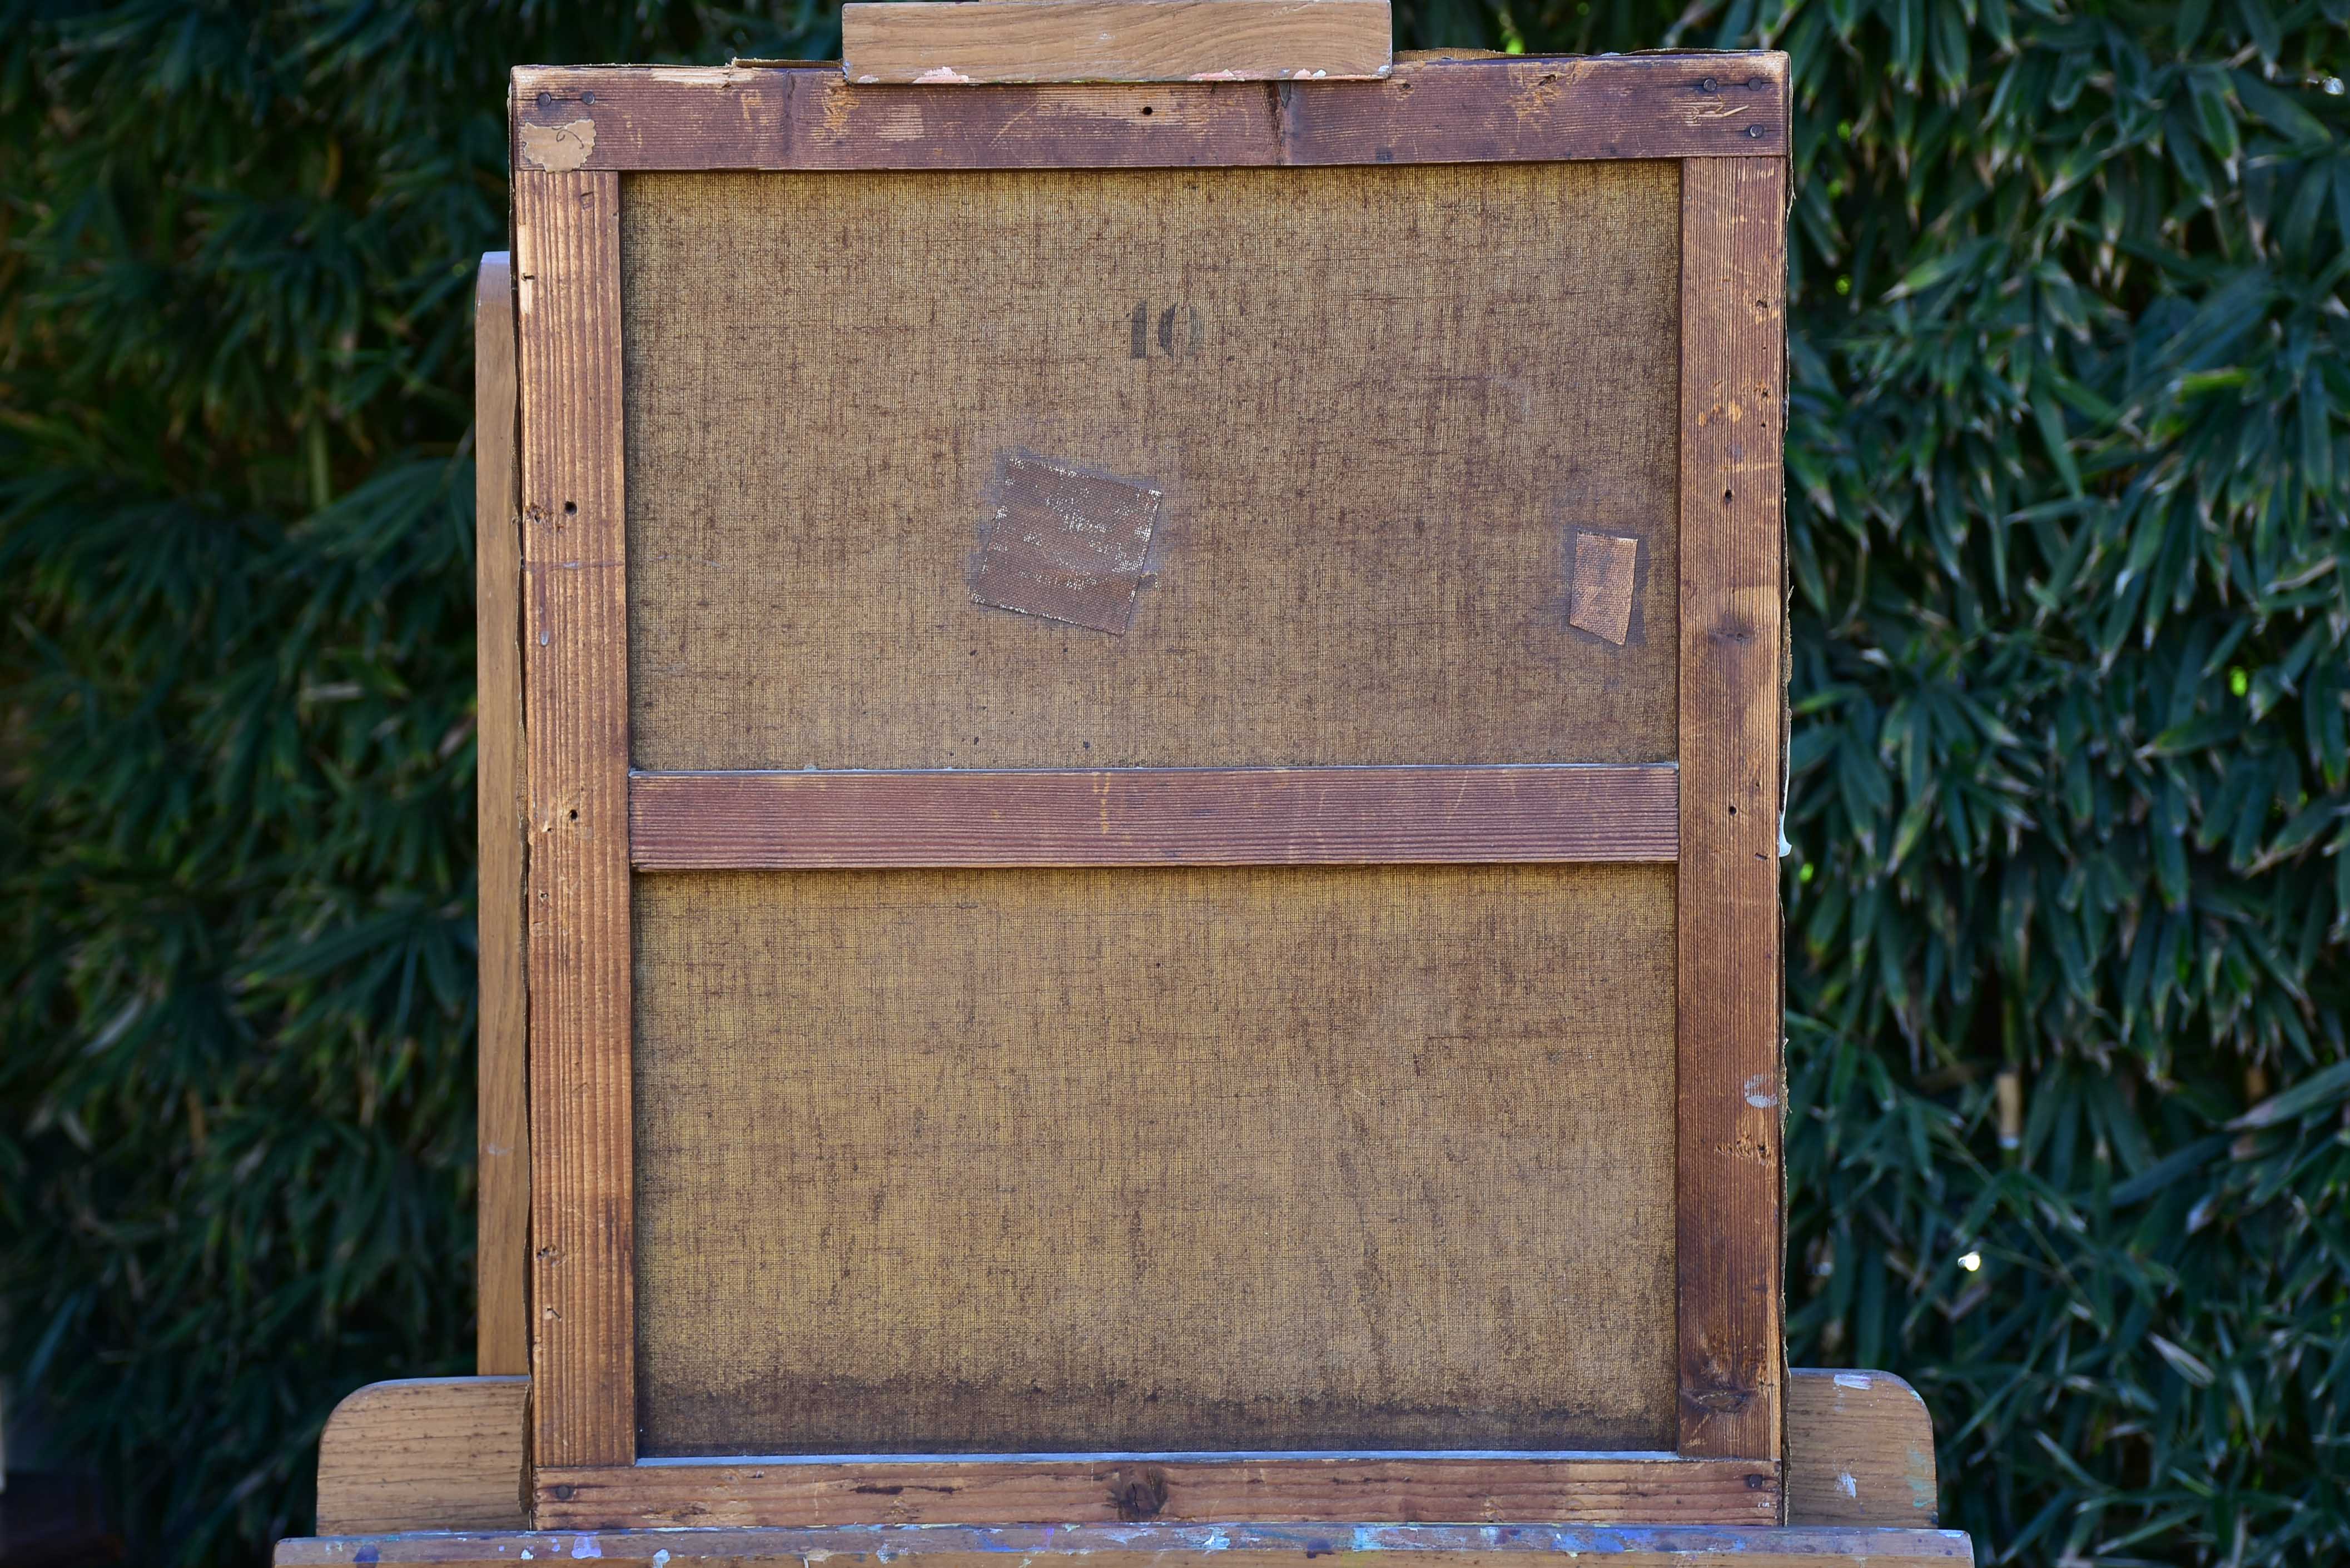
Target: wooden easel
[(1780, 1468)]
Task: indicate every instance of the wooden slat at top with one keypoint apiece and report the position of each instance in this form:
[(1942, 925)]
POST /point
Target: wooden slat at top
[(1508, 109), (1174, 817), (970, 43)]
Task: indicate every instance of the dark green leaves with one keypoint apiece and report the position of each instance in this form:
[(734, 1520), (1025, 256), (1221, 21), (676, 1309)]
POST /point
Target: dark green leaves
[(2077, 449)]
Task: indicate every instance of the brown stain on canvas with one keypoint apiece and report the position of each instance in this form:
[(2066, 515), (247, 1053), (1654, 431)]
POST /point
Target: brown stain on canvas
[(1064, 542)]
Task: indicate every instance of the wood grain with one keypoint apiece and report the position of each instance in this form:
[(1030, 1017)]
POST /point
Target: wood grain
[(1730, 1190), (1362, 1488), (1225, 1158), (1513, 109), (1369, 465), (501, 1249), (567, 236), (975, 42), (1171, 816), (1166, 1546), (446, 1453), (1860, 1450), (425, 1453)]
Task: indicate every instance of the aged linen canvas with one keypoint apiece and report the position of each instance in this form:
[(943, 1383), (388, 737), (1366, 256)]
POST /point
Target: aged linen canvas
[(1158, 468), (1155, 1159), (1177, 468)]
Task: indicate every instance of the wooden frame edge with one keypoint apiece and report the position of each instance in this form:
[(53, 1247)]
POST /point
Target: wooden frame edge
[(502, 1251), (1506, 109), (1153, 817), (1595, 1489), (579, 959), (1730, 1181), (575, 630)]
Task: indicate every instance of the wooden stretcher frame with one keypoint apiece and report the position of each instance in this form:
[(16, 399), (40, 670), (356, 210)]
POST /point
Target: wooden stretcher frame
[(1724, 118)]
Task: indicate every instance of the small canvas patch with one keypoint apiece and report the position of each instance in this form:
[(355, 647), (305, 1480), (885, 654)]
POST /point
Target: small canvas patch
[(1599, 599), (1063, 542)]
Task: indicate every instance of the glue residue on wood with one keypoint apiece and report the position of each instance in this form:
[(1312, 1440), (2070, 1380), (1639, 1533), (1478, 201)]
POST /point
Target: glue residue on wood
[(559, 148)]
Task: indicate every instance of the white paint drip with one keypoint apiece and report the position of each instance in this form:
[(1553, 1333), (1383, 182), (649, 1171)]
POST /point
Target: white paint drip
[(1786, 783)]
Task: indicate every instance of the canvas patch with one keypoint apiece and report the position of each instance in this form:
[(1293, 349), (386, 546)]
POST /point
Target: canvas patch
[(1063, 542)]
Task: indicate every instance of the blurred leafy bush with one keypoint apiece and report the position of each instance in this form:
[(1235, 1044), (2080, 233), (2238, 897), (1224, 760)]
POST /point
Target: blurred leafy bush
[(2070, 446)]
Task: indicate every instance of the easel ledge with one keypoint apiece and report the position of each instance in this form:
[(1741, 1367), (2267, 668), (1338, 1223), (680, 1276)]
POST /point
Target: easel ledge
[(1164, 1546), (432, 1471)]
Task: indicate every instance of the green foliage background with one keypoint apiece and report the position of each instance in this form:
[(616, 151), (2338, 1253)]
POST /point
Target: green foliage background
[(2069, 452)]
